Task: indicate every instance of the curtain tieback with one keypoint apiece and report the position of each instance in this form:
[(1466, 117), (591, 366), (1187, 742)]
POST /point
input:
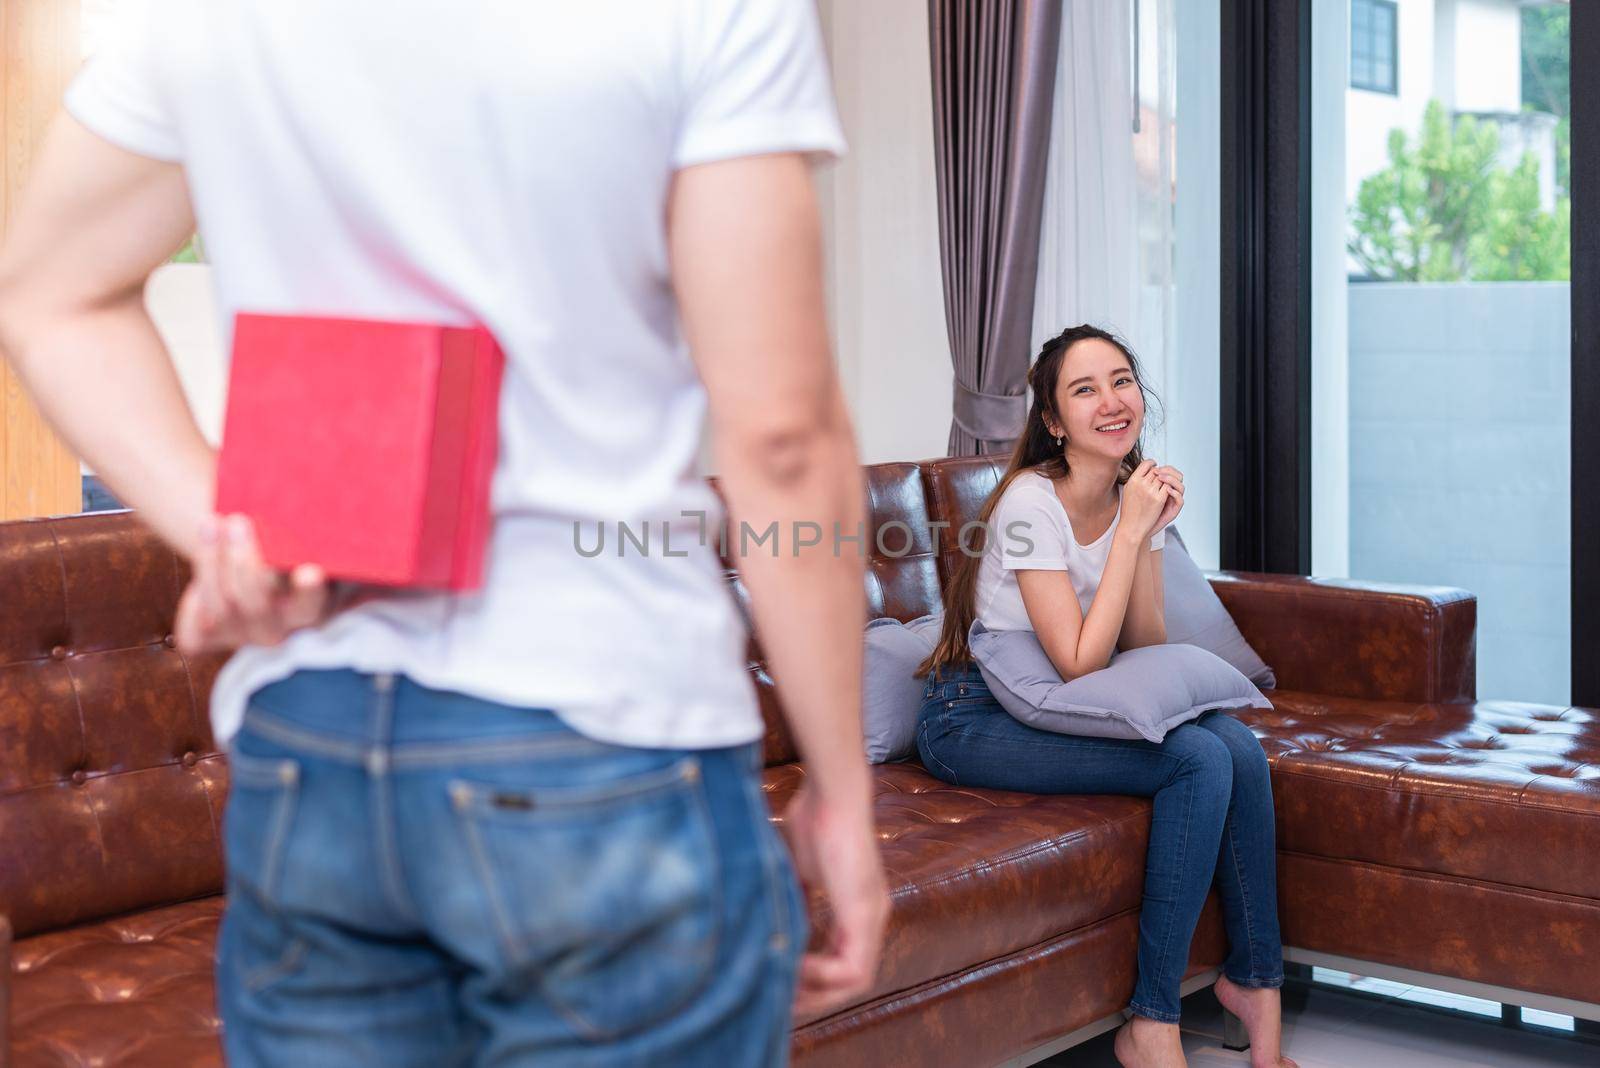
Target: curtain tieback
[(990, 416)]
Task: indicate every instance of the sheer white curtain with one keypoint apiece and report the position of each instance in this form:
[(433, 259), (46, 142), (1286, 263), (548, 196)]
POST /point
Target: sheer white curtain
[(1124, 243), (1088, 246)]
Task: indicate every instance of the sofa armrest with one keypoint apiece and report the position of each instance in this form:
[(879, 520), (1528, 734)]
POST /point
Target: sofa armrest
[(5, 992), (1347, 638)]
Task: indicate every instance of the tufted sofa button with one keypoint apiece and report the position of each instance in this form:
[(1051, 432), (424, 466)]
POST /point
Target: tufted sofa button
[(170, 641), (58, 652), (80, 777), (190, 759)]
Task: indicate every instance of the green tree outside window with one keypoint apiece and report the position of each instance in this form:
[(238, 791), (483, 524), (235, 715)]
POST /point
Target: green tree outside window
[(1445, 210)]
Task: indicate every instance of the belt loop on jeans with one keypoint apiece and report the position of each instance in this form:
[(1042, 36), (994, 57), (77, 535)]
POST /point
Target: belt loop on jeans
[(380, 731)]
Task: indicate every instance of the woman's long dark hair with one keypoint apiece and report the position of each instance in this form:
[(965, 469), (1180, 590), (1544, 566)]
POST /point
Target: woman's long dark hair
[(1036, 450)]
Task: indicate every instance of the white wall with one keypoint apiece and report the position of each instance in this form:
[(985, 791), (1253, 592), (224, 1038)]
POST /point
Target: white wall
[(881, 227), (1444, 51), (1369, 115), (1465, 53), (1460, 403), (1488, 55)]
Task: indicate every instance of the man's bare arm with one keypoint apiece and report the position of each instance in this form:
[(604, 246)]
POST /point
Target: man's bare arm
[(748, 273), (747, 268), (93, 223)]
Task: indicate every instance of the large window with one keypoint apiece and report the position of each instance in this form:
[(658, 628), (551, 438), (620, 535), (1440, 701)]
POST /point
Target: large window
[(1373, 46), (1441, 310)]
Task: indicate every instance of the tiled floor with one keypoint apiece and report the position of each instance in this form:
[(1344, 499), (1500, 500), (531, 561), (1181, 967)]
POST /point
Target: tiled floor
[(1329, 1027)]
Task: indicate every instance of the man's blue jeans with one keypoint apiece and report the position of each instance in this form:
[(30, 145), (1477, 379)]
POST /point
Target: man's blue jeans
[(1212, 817), (417, 877)]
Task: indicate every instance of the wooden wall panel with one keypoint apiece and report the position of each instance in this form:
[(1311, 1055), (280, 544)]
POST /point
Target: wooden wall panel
[(39, 52)]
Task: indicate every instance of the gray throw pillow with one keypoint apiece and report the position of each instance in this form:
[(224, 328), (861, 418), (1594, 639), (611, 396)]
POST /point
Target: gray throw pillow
[(1142, 693), (1195, 615), (891, 691)]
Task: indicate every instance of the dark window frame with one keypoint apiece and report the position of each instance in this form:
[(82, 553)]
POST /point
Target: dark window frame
[(1584, 44), (1265, 338), (1266, 304), (1371, 84)]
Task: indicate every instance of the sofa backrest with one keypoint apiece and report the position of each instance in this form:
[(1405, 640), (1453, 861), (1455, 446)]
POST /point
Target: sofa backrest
[(902, 574), (956, 488), (902, 561), (907, 556), (111, 789)]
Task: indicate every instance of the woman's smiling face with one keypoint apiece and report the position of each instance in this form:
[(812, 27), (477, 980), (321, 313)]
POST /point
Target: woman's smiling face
[(1099, 400)]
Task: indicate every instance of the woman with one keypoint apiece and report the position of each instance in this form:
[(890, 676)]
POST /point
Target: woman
[(1077, 524)]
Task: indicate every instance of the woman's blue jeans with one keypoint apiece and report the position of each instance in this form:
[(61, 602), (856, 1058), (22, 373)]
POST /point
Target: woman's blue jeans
[(417, 877), (1212, 819)]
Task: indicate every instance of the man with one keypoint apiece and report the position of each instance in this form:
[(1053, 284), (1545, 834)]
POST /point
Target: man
[(522, 825)]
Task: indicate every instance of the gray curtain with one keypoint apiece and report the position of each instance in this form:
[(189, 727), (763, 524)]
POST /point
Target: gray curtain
[(994, 70)]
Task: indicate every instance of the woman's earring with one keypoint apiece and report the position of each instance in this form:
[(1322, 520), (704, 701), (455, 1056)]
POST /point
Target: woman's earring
[(1058, 440)]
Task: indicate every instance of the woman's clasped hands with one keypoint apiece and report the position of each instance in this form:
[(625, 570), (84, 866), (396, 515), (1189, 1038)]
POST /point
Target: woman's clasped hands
[(1152, 497)]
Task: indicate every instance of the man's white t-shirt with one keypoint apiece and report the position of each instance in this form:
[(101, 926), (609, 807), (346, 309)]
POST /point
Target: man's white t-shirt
[(505, 163), (1030, 531)]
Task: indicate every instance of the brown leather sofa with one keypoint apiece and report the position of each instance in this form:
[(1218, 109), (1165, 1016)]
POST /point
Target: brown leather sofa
[(1418, 828)]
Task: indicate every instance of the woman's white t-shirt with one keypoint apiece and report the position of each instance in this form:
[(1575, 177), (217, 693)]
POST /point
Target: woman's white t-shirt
[(1029, 531)]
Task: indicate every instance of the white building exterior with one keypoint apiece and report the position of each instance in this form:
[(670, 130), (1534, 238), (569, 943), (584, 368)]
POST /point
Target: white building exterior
[(1467, 54)]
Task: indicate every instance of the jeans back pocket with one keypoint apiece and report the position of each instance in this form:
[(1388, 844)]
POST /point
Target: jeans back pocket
[(255, 946), (607, 896), (263, 793)]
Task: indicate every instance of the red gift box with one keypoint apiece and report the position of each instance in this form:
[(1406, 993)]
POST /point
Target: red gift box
[(366, 447)]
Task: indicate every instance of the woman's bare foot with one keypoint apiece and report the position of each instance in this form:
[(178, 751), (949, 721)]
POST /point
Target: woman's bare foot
[(1146, 1043), (1261, 1010)]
